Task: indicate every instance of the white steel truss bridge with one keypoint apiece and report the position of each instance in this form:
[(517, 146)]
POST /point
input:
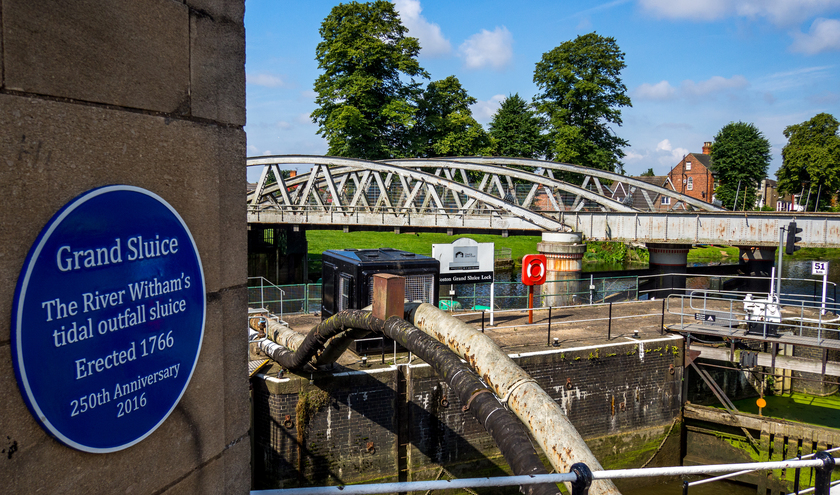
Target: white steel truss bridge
[(501, 195)]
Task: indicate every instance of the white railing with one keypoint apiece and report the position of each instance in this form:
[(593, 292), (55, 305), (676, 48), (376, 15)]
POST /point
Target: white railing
[(580, 478)]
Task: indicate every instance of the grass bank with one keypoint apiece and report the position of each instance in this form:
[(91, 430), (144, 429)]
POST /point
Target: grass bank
[(704, 253), (420, 243), (802, 408)]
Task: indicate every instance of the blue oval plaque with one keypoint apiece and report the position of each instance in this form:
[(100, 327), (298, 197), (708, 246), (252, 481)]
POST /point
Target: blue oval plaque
[(108, 318)]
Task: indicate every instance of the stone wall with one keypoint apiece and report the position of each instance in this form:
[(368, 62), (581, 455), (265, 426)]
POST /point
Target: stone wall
[(149, 93), (405, 423)]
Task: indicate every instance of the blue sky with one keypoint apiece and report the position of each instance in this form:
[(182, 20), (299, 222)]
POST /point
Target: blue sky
[(692, 66)]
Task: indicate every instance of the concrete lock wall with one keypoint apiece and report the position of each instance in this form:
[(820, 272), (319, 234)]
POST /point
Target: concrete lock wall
[(404, 423), (149, 93)]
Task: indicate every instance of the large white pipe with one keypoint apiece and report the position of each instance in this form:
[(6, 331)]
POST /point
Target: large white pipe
[(536, 409)]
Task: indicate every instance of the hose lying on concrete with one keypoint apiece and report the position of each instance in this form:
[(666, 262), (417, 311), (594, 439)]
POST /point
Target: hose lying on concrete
[(503, 427), (288, 339), (538, 411)]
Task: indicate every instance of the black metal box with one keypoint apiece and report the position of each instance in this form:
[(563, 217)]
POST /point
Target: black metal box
[(347, 281)]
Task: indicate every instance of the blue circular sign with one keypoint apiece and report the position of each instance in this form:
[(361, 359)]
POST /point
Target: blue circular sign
[(108, 318)]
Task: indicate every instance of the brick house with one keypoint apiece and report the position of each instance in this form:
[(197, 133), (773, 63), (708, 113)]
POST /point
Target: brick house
[(692, 176), (632, 196)]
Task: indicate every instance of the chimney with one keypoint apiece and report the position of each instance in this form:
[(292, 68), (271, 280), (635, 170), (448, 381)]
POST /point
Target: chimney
[(707, 148), (293, 173)]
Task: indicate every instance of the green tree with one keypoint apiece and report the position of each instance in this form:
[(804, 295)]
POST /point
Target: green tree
[(740, 156), (515, 130), (648, 173), (367, 90), (812, 156), (581, 95), (444, 125)]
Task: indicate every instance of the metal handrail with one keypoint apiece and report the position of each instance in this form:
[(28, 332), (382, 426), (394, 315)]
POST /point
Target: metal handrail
[(747, 471), (263, 284), (736, 317), (580, 477)]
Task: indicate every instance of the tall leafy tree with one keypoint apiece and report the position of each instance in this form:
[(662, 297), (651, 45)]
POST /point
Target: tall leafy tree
[(648, 173), (812, 157), (366, 93), (515, 130), (580, 98), (740, 157), (444, 125)]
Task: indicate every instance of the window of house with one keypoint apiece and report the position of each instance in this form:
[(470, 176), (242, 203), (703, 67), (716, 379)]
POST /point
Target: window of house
[(687, 165), (666, 200), (690, 184)]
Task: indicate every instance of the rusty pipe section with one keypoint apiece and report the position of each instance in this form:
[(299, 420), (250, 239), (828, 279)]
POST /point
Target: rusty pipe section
[(501, 424), (536, 409), (284, 336)]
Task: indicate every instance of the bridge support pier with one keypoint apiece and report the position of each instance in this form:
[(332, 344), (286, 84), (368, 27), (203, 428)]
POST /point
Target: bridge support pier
[(278, 253), (667, 259), (564, 256), (757, 261)]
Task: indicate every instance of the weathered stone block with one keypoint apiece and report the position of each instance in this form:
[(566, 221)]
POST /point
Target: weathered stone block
[(130, 54), (234, 371), (53, 144), (233, 10), (217, 69), (233, 225)]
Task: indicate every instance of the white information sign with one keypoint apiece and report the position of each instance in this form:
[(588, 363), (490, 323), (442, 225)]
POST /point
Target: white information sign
[(819, 268), (465, 261)]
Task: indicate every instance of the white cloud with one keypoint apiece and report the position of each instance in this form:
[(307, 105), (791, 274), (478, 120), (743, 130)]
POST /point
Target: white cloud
[(253, 150), (432, 41), (689, 89), (779, 12), (715, 84), (659, 91), (309, 94), (304, 118), (483, 110), (488, 48), (824, 36), (783, 12), (283, 125), (632, 156), (668, 155), (267, 80)]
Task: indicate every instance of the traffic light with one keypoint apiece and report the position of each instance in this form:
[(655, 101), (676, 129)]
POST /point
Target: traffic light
[(790, 245)]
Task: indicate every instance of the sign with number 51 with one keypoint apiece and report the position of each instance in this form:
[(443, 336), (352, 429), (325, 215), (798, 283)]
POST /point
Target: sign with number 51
[(819, 267)]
